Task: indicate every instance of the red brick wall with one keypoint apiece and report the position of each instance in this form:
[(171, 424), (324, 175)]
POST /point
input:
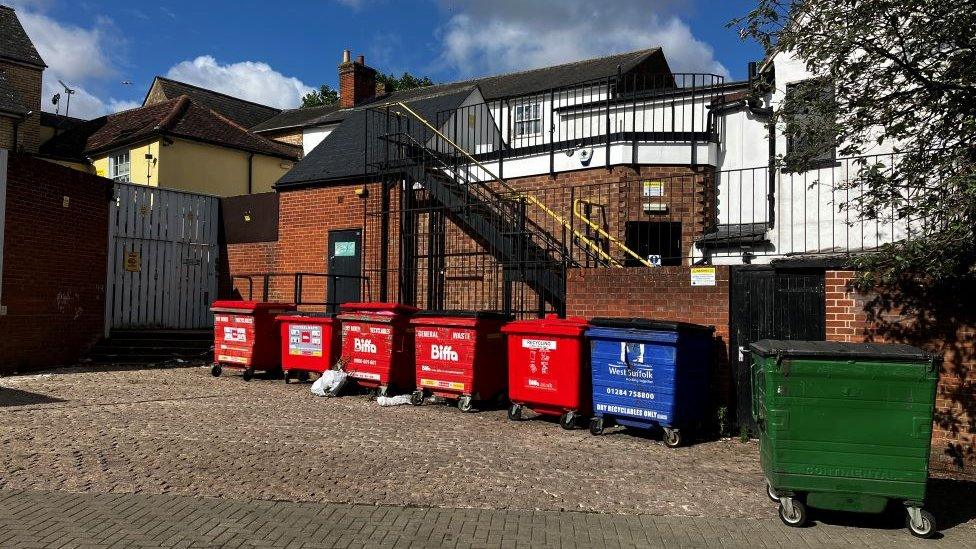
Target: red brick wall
[(945, 325), (662, 293), (54, 264), (307, 215), (305, 218)]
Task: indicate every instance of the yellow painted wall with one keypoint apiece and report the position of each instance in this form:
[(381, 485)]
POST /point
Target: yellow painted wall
[(198, 167), (142, 170), (210, 169)]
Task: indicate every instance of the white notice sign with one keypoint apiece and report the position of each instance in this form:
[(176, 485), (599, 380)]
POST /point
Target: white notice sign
[(703, 276)]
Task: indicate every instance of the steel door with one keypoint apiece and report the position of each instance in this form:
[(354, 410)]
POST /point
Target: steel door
[(345, 262), (767, 303)]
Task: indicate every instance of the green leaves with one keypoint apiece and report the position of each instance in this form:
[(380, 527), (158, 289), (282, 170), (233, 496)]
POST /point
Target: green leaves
[(325, 95), (902, 73)]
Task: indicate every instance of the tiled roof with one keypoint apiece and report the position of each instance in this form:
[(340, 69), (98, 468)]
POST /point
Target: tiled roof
[(14, 42), (180, 117), (246, 113), (492, 87), (342, 155), (734, 234), (10, 102), (295, 118)]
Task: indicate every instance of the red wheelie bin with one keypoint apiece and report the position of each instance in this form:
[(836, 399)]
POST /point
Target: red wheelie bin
[(377, 346), (246, 337), (549, 369), (310, 343), (460, 356)]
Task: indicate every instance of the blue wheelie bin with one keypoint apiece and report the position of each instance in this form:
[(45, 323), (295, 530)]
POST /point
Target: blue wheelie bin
[(649, 374)]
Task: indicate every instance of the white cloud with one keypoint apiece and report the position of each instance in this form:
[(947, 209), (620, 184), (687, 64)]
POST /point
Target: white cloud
[(506, 35), (251, 80), (78, 56)]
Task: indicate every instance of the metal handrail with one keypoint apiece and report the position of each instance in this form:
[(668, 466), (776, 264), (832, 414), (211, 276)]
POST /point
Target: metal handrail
[(604, 233), (558, 218)]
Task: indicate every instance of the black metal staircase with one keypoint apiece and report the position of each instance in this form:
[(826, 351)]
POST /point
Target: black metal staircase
[(483, 206)]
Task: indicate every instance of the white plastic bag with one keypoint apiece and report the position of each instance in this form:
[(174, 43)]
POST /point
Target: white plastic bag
[(398, 400), (329, 383)]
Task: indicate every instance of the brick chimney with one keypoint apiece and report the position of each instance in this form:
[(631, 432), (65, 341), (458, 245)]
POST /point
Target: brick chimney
[(357, 82)]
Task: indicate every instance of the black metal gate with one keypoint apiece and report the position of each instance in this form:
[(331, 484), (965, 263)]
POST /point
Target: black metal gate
[(768, 303)]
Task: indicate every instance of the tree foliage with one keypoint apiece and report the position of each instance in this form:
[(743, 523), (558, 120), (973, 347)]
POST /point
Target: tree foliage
[(406, 81), (902, 71), (323, 96)]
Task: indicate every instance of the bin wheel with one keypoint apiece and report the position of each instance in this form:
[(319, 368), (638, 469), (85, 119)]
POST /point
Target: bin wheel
[(464, 403), (672, 437), (248, 374), (796, 516), (925, 529), (286, 375), (568, 421), (596, 426), (417, 397), (303, 376), (770, 493), (215, 370), (515, 412)]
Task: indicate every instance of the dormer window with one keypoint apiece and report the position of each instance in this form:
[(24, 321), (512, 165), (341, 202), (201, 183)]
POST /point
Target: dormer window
[(528, 119), (118, 166)]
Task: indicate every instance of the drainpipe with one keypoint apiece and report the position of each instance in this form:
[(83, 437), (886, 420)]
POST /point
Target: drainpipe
[(3, 216), (250, 173), (771, 192)]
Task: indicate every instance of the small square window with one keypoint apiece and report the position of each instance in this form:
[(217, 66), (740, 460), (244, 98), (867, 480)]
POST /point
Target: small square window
[(528, 119), (118, 166)]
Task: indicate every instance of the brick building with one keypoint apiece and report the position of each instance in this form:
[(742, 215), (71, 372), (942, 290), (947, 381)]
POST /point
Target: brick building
[(21, 68)]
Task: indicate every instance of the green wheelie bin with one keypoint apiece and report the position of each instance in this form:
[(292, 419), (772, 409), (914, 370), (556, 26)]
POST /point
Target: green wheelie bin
[(844, 426)]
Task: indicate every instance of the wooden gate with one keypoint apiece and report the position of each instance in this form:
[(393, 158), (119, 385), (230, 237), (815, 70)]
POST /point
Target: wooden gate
[(163, 257)]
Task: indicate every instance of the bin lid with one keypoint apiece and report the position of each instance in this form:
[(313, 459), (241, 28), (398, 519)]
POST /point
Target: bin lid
[(650, 324), (379, 307), (883, 352), (299, 316), (486, 315), (550, 325), (238, 306)]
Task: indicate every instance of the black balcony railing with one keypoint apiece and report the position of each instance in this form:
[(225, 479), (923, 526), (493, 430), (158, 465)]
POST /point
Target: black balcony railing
[(590, 117)]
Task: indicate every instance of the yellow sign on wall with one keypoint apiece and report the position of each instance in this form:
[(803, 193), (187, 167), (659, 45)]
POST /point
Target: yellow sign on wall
[(133, 262)]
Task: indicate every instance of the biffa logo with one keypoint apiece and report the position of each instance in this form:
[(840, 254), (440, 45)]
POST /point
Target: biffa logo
[(364, 346), (443, 352)]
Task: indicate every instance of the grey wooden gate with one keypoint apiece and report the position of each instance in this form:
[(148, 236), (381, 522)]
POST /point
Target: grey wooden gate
[(163, 257)]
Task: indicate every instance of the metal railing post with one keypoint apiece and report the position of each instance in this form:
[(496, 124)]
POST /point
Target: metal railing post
[(607, 120)]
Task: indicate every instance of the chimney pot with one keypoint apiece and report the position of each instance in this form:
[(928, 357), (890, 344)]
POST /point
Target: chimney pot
[(346, 56), (357, 82)]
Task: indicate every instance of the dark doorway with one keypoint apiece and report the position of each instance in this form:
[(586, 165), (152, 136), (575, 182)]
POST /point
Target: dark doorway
[(345, 264), (769, 303), (658, 242)]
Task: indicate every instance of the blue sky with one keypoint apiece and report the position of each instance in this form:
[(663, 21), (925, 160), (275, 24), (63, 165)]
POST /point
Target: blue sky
[(274, 52)]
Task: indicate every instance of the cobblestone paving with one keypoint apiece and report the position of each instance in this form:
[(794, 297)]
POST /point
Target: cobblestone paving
[(143, 437), (183, 431)]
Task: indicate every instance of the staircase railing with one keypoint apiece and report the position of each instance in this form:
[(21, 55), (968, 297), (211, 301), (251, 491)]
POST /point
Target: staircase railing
[(588, 244)]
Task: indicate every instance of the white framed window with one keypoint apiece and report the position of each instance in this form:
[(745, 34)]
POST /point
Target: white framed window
[(528, 119), (118, 166)]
